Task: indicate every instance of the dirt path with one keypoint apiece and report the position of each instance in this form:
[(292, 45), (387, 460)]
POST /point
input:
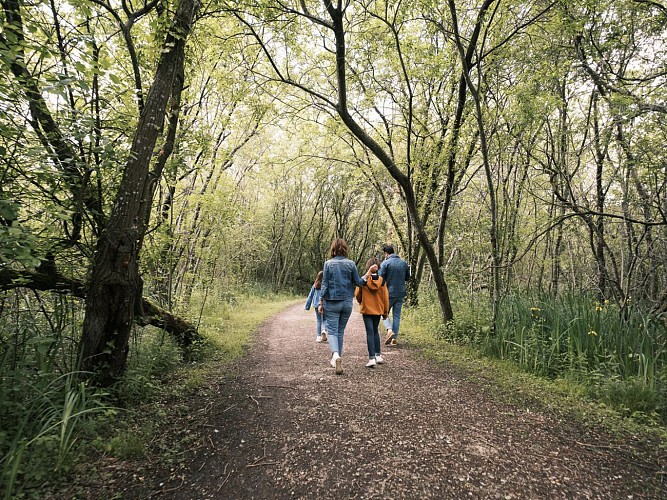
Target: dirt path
[(288, 427)]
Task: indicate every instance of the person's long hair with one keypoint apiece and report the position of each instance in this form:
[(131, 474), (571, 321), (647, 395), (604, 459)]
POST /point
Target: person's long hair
[(338, 247), (318, 280)]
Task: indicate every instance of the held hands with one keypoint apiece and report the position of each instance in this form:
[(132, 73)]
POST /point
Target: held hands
[(320, 309)]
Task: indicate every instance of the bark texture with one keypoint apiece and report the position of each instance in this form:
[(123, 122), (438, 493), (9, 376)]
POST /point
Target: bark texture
[(184, 332), (114, 296)]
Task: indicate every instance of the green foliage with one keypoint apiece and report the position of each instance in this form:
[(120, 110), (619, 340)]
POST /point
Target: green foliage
[(39, 441), (620, 356), (228, 319), (153, 355), (630, 397), (127, 444), (17, 244), (579, 334), (49, 422), (471, 321)]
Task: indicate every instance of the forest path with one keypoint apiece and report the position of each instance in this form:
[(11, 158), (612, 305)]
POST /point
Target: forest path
[(287, 427)]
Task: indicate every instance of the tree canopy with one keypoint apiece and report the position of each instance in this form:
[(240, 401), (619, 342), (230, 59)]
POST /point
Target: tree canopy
[(152, 150)]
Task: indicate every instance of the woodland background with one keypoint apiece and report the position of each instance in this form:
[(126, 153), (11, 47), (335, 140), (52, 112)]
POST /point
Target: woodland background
[(159, 159)]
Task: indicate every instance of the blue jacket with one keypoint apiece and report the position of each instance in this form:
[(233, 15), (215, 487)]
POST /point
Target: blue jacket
[(395, 272), (340, 278), (313, 298)]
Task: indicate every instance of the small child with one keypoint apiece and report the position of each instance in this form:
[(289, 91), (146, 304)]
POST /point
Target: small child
[(314, 300), (373, 302)]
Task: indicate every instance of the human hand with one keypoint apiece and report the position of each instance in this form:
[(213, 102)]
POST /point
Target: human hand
[(373, 268)]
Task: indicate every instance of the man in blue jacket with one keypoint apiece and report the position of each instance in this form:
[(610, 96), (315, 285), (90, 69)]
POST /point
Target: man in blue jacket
[(395, 272)]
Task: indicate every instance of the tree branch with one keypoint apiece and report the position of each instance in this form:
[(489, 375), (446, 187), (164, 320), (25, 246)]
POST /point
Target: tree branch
[(606, 87), (50, 280)]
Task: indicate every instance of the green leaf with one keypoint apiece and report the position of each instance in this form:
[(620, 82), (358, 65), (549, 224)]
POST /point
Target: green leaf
[(8, 210)]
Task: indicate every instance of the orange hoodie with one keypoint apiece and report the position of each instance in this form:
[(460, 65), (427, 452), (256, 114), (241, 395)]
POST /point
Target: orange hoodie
[(373, 298)]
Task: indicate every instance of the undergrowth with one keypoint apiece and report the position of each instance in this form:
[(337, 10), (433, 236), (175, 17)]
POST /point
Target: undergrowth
[(52, 425), (572, 351)]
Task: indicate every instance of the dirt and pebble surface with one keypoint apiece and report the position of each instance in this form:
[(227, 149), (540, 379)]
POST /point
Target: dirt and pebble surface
[(285, 426)]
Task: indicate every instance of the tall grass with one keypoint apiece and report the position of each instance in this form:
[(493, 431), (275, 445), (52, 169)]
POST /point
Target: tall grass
[(44, 406), (581, 335), (43, 403), (50, 421), (229, 317), (45, 433), (620, 355)]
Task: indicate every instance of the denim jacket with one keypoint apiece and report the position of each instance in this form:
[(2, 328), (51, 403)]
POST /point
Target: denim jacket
[(340, 278), (313, 298), (395, 272)]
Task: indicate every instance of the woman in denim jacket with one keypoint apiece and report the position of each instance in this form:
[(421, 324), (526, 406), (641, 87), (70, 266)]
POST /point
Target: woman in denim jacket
[(338, 283)]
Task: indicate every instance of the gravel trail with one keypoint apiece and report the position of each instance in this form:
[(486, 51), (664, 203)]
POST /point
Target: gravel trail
[(285, 426)]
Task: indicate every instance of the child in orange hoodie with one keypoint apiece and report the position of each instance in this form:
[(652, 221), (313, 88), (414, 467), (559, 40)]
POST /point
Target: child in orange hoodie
[(373, 302)]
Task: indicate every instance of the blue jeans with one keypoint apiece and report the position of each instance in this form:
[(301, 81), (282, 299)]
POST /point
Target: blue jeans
[(319, 322), (396, 305), (372, 334), (336, 315)]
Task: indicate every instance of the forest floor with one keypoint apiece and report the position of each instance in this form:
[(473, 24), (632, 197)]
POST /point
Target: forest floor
[(285, 426)]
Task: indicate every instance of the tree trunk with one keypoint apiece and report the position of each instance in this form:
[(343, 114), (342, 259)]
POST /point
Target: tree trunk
[(336, 15), (183, 332), (116, 286), (556, 258), (474, 91), (412, 297)]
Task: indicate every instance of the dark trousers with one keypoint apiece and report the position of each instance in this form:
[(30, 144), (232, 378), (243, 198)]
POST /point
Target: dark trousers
[(372, 334)]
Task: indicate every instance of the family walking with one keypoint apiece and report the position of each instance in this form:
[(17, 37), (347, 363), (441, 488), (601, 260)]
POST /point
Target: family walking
[(380, 290)]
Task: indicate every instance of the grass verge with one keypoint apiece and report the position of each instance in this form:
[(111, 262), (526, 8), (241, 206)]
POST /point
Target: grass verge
[(561, 396), (161, 399)]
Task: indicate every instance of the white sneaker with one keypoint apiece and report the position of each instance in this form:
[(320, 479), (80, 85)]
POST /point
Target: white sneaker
[(318, 339), (379, 359), (371, 363), (333, 359), (339, 366)]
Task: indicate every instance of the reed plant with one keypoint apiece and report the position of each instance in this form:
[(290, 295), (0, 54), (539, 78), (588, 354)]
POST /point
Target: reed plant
[(42, 418), (580, 334), (619, 354)]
